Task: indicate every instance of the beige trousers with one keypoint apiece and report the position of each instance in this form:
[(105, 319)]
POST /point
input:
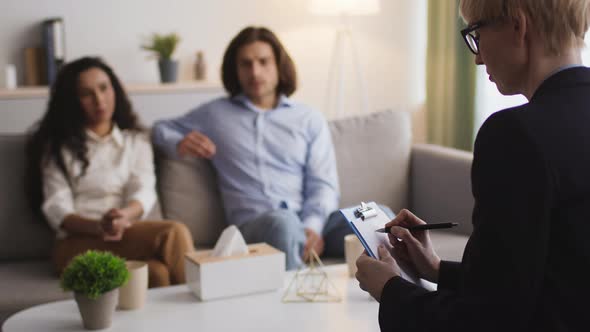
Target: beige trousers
[(162, 244)]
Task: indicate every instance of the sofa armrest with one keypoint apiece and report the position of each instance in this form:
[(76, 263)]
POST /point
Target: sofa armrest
[(440, 185)]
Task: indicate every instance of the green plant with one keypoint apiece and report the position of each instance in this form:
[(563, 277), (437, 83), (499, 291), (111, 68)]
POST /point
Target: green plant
[(162, 45), (94, 273)]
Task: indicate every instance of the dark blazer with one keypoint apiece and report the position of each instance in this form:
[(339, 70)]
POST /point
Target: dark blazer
[(526, 266)]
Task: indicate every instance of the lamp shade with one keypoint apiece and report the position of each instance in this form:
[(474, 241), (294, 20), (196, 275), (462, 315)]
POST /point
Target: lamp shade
[(344, 7)]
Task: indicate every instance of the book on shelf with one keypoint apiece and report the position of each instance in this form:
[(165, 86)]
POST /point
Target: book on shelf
[(34, 66), (53, 37)]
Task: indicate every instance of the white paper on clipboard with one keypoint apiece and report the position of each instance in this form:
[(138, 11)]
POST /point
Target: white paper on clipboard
[(365, 231)]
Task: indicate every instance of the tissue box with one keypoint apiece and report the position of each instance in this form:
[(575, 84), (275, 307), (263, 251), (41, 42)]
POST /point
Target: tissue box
[(262, 269)]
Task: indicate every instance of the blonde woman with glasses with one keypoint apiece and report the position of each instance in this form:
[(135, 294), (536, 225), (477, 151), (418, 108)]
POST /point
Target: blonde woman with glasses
[(526, 266)]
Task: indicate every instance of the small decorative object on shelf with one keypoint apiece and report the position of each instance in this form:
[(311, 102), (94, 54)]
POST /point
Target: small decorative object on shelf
[(163, 47), (10, 79), (95, 278), (200, 67)]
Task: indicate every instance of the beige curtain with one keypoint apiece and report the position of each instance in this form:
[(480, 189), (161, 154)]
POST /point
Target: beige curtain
[(450, 78)]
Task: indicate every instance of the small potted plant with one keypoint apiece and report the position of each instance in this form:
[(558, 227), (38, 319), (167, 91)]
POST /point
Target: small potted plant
[(95, 278), (163, 47)]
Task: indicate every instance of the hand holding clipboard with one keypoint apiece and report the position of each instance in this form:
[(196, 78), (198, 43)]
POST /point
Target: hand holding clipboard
[(365, 220)]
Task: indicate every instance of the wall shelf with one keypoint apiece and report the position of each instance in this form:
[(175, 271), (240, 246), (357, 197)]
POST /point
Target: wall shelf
[(131, 88), (20, 108)]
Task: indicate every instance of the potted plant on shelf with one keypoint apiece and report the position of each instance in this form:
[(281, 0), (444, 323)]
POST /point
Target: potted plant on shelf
[(95, 278), (163, 47)]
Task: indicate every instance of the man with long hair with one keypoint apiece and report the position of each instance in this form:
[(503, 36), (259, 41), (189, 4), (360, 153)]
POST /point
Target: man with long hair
[(274, 157)]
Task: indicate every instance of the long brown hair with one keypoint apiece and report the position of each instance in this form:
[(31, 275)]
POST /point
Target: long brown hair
[(286, 68), (63, 125)]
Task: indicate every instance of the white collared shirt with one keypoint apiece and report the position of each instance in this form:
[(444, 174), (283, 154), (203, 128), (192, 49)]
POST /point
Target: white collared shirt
[(120, 170)]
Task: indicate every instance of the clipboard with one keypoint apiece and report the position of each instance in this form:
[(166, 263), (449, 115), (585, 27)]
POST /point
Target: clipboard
[(364, 220)]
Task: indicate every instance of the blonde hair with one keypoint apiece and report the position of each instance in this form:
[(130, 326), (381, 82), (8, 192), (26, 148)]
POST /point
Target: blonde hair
[(563, 23)]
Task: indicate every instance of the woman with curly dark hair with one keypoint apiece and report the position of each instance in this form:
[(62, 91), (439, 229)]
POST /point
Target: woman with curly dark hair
[(91, 175)]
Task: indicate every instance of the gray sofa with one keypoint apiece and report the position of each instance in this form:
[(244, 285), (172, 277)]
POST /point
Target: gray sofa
[(376, 161)]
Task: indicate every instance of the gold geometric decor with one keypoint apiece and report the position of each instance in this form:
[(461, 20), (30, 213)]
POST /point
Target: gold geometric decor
[(311, 284)]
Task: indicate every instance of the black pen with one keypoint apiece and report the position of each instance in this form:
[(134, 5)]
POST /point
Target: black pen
[(421, 227)]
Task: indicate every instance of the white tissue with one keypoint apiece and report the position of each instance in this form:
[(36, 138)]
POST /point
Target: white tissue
[(231, 242)]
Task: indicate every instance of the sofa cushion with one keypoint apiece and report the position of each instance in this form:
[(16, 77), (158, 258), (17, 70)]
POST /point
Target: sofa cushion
[(188, 193), (373, 156), (37, 279), (22, 234)]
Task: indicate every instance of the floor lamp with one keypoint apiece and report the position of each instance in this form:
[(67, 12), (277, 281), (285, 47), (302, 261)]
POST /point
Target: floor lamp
[(344, 9)]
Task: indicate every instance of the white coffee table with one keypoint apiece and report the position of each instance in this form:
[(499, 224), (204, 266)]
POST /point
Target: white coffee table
[(177, 309)]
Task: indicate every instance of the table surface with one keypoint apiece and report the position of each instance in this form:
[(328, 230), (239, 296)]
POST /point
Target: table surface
[(177, 309)]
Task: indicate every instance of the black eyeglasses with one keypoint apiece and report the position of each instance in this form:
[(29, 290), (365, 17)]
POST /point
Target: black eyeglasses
[(471, 36)]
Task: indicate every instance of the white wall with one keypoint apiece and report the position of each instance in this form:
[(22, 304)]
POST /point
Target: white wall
[(391, 45)]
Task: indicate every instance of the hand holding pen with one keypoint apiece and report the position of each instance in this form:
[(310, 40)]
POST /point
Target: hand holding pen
[(412, 245)]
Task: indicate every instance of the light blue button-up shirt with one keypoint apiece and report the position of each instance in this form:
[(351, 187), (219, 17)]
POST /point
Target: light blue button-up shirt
[(265, 160)]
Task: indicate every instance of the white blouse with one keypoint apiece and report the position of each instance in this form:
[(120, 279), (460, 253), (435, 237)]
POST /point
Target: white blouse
[(120, 170)]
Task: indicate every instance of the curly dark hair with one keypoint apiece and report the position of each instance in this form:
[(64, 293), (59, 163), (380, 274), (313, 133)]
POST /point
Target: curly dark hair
[(286, 68), (63, 125)]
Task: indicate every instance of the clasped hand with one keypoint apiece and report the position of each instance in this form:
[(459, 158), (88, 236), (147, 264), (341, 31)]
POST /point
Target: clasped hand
[(414, 249), (113, 224)]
